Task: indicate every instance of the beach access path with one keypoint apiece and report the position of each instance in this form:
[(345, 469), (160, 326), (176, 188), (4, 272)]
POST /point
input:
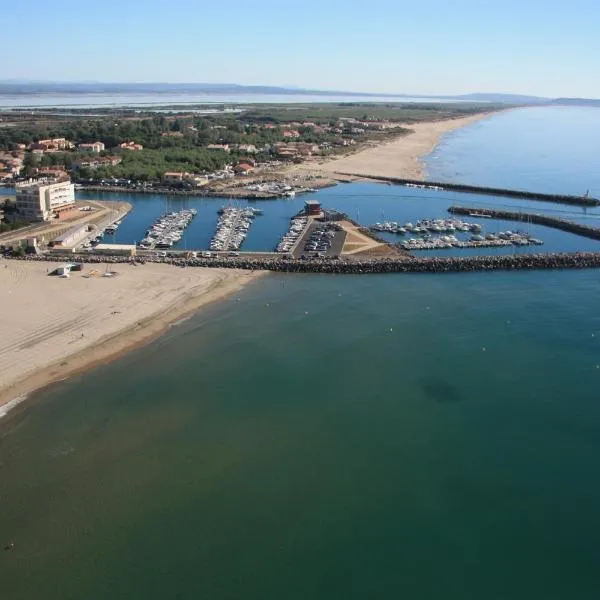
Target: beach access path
[(53, 327)]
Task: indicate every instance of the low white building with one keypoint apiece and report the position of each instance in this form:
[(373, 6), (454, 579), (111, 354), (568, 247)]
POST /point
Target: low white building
[(116, 249), (37, 201), (72, 237), (94, 147)]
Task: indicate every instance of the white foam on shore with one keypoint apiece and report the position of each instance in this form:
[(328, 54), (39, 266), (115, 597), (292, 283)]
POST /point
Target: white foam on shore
[(6, 408)]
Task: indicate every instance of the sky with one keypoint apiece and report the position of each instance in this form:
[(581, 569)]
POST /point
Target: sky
[(539, 47)]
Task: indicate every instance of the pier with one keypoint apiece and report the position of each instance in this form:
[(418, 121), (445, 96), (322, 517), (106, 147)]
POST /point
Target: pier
[(537, 218), (488, 191)]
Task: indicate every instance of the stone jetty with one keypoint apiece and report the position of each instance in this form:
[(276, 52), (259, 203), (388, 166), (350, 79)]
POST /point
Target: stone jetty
[(488, 191), (284, 264), (539, 219)]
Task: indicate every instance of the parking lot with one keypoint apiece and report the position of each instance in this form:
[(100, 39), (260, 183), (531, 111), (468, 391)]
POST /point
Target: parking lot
[(321, 238)]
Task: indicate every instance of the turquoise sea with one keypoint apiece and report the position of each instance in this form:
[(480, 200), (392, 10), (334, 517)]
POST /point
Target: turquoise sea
[(409, 436)]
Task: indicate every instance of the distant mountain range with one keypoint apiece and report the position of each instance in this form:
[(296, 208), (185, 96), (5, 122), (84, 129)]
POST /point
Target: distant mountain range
[(26, 87)]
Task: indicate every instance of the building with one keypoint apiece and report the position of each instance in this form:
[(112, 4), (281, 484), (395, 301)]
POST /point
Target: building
[(131, 146), (296, 149), (55, 173), (72, 237), (176, 177), (96, 163), (250, 148), (312, 208), (179, 177), (38, 201), (116, 249), (96, 147), (12, 162), (243, 169), (200, 180), (53, 145)]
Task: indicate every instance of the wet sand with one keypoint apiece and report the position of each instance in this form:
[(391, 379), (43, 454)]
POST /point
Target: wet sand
[(53, 327)]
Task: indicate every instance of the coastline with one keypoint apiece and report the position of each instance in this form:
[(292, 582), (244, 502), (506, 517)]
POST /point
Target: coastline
[(402, 157), (34, 356)]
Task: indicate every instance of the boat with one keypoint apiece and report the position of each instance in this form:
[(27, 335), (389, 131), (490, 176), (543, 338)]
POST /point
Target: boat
[(168, 229)]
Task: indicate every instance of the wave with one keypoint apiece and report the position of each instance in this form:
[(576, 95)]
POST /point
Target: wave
[(6, 408)]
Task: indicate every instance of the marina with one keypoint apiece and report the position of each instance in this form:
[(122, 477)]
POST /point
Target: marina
[(290, 238), (232, 228), (167, 230), (425, 226), (366, 204), (546, 220), (503, 239), (97, 233)]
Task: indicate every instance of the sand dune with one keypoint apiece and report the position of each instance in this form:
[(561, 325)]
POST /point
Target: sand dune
[(52, 327)]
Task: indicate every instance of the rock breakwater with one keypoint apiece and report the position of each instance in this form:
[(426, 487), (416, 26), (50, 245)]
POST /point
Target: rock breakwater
[(451, 264), (537, 218)]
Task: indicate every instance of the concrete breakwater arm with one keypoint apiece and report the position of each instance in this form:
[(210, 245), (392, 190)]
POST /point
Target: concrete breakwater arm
[(488, 191), (538, 219)]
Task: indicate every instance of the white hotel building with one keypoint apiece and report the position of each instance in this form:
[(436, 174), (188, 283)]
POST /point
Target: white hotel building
[(37, 201)]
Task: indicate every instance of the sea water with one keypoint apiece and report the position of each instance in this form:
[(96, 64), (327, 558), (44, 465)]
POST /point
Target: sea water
[(395, 436)]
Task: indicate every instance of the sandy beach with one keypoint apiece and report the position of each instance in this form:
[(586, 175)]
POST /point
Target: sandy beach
[(398, 158), (53, 327)]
